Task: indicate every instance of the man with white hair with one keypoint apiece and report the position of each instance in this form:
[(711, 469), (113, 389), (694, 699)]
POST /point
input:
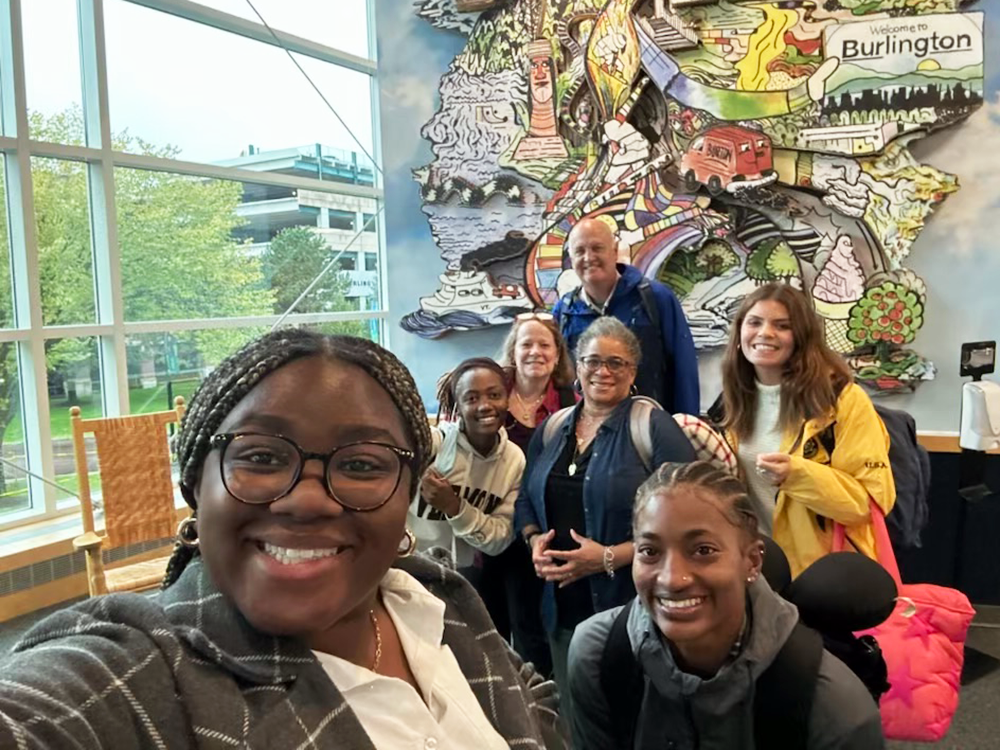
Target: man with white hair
[(669, 368)]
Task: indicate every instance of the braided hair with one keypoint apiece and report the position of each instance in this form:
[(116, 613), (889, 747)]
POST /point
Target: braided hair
[(447, 393), (706, 479), (235, 377)]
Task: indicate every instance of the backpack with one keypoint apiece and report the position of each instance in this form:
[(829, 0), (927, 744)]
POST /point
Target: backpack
[(910, 465), (911, 472), (783, 694), (640, 427)]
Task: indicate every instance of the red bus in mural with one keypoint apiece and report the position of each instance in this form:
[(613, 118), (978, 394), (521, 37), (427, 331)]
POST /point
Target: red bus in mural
[(730, 158)]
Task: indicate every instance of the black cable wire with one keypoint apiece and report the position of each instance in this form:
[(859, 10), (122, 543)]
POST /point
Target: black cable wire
[(313, 84)]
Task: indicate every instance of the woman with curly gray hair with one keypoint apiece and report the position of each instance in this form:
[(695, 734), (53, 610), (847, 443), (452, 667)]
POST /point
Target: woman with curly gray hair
[(583, 469), (291, 614)]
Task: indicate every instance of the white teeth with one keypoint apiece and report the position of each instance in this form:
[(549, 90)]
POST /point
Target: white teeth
[(769, 347), (289, 556), (679, 603)]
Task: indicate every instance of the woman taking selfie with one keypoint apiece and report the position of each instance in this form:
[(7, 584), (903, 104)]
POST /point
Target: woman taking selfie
[(289, 618), (811, 448)]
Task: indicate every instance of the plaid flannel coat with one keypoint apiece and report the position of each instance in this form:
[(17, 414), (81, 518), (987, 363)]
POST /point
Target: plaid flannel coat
[(186, 670)]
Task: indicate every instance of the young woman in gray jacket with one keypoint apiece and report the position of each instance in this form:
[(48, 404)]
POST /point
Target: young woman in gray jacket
[(703, 635)]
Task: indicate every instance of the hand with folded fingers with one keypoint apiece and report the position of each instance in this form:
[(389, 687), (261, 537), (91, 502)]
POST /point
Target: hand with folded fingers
[(540, 551), (585, 560), (774, 467), (439, 493)]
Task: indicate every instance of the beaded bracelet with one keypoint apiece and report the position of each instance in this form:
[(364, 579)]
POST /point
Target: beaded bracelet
[(609, 562)]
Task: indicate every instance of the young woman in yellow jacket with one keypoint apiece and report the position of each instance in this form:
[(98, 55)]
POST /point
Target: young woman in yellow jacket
[(788, 400)]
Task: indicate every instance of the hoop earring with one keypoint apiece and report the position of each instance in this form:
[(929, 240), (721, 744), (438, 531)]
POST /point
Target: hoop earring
[(633, 391), (408, 544), (577, 387), (187, 532)]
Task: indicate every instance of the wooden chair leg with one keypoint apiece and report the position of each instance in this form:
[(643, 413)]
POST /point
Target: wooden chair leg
[(95, 573)]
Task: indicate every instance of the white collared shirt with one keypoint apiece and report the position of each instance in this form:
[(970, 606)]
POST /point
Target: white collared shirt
[(392, 713), (599, 309)]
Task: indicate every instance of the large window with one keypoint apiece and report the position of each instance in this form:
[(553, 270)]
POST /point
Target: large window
[(177, 177)]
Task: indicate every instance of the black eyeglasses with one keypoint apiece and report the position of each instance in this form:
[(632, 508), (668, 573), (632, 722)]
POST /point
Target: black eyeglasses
[(258, 469), (593, 363)]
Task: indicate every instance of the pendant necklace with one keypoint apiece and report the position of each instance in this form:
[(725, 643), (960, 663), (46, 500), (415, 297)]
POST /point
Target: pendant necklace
[(529, 410), (576, 457)]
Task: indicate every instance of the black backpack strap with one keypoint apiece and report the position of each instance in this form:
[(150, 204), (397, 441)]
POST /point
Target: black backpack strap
[(568, 300), (784, 693), (649, 305), (717, 412), (621, 680), (828, 438)]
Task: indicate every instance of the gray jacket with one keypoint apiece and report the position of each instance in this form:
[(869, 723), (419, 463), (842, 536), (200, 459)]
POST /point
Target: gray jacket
[(185, 670), (683, 712)]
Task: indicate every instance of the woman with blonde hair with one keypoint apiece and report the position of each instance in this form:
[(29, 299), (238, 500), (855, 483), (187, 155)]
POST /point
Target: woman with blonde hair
[(540, 382), (811, 448), (540, 372)]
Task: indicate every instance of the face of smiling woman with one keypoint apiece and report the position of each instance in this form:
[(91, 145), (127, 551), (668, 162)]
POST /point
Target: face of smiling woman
[(319, 404), (690, 570), (767, 341)]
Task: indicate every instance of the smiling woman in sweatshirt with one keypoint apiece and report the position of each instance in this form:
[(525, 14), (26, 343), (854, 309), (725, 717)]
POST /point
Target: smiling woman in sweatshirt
[(466, 500)]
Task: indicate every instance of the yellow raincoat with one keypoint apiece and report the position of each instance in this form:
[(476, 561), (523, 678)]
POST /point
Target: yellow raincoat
[(820, 487)]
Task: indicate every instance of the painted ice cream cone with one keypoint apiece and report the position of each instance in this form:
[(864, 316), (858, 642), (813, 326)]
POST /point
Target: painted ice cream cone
[(839, 285)]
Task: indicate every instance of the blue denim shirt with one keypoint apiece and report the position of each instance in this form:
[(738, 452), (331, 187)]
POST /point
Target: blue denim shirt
[(614, 473)]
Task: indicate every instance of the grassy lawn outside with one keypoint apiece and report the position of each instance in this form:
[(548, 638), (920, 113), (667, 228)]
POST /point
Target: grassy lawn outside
[(141, 401), (14, 497)]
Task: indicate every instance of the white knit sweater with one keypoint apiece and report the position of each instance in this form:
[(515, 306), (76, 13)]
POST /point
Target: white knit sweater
[(766, 438)]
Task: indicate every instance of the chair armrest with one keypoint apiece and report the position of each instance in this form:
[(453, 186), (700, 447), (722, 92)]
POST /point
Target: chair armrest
[(88, 541)]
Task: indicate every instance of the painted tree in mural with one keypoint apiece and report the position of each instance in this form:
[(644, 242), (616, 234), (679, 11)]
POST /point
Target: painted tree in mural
[(715, 258), (772, 260), (889, 315), (560, 109)]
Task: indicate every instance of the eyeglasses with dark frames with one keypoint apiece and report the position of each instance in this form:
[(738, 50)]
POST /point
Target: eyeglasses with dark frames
[(593, 363), (258, 469)]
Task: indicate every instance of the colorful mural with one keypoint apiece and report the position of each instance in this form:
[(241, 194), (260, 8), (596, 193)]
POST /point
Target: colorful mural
[(728, 143)]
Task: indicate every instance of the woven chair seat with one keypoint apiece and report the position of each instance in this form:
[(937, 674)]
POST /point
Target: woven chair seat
[(133, 462), (137, 576)]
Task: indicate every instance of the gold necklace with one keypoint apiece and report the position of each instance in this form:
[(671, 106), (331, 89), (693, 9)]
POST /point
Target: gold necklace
[(529, 410), (583, 424), (378, 640)]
